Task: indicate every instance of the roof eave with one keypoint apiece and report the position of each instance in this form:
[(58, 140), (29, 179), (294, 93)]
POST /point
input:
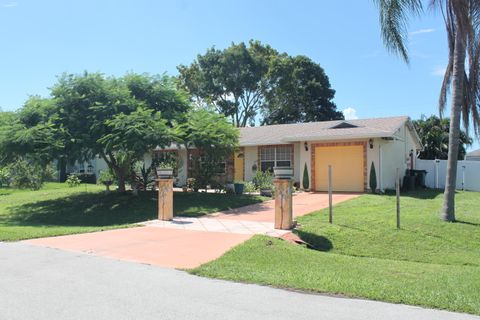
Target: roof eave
[(339, 137)]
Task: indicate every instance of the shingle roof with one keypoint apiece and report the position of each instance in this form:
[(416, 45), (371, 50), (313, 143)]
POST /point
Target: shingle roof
[(318, 131), (474, 153)]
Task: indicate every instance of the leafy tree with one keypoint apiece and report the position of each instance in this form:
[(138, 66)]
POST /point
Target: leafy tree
[(29, 134), (232, 80), (209, 132), (299, 91), (74, 96), (129, 138), (6, 118), (158, 93), (462, 21), (243, 81), (433, 133), (213, 135), (117, 118)]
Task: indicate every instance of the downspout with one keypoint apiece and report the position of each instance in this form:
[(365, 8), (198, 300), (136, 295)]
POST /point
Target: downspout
[(380, 168)]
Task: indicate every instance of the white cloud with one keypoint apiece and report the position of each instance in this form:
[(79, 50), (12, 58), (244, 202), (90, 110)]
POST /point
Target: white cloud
[(9, 4), (439, 71), (420, 31), (350, 114)]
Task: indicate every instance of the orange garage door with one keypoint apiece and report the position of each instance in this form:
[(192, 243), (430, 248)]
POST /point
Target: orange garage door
[(347, 168)]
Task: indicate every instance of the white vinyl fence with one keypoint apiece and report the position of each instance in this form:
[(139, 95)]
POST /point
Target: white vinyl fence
[(468, 174)]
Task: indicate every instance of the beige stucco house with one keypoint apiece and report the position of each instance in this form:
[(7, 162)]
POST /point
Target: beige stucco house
[(349, 146)]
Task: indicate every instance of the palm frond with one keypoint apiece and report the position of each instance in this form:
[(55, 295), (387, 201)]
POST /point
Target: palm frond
[(394, 20)]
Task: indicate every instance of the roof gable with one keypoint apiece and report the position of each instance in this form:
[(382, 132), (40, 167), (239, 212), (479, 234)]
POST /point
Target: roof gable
[(343, 125)]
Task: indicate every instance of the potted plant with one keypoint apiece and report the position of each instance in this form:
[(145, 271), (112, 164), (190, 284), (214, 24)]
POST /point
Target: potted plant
[(264, 182), (165, 170), (238, 187), (283, 172)]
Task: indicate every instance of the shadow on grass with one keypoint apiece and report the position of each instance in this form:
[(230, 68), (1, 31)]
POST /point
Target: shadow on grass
[(84, 209), (316, 241), (467, 223), (418, 194), (111, 208)]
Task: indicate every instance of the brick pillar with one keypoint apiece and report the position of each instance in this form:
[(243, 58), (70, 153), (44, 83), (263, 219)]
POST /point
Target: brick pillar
[(165, 199), (283, 204)]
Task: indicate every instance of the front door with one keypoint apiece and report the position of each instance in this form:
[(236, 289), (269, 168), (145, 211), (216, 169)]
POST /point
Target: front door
[(238, 163)]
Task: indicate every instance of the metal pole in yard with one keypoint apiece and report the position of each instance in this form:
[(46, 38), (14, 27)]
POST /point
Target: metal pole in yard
[(330, 207), (397, 187)]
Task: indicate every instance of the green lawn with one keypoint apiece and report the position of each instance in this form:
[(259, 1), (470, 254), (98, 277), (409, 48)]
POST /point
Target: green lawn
[(428, 262), (57, 209)]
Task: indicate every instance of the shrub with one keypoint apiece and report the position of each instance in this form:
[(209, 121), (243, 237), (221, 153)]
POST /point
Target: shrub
[(192, 184), (73, 180), (249, 187), (4, 177), (306, 180), (106, 178), (217, 186), (206, 168), (87, 177), (373, 178), (263, 180), (144, 177), (25, 175)]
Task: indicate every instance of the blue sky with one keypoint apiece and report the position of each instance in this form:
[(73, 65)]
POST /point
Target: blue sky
[(42, 39)]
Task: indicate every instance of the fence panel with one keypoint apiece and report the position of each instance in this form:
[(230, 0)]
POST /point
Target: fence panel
[(468, 174)]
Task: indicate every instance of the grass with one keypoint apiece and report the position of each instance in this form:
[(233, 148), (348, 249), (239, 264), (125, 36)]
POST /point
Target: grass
[(58, 210), (428, 262)]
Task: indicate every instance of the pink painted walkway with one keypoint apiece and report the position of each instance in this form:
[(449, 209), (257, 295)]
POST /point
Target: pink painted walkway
[(187, 242), (303, 203)]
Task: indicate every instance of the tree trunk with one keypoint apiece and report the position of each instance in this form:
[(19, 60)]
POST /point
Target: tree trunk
[(121, 182), (448, 212), (62, 169)]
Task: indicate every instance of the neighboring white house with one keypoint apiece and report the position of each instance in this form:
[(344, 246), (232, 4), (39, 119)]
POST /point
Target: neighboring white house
[(473, 156), (349, 146), (94, 166)]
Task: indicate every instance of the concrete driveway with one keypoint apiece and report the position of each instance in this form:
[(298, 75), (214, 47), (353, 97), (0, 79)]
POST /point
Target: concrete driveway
[(43, 283), (187, 242)]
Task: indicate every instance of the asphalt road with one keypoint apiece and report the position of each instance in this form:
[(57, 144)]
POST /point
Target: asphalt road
[(43, 283)]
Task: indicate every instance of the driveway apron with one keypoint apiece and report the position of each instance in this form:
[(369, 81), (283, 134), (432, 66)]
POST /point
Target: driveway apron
[(187, 242)]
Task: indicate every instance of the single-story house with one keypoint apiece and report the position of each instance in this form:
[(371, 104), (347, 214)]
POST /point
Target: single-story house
[(473, 155), (349, 146)]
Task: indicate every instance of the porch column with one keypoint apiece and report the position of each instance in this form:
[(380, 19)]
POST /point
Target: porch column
[(283, 204), (165, 199)]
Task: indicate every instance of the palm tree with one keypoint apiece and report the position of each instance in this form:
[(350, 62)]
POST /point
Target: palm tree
[(462, 22)]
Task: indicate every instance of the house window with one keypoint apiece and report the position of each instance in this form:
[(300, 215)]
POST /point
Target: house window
[(276, 156), (220, 167), (90, 168)]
